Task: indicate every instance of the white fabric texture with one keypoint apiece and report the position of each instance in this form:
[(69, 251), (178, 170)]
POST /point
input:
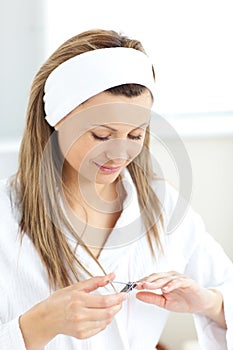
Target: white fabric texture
[(86, 75), (188, 249)]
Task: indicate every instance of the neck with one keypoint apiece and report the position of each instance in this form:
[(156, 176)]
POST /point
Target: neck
[(80, 191), (93, 209)]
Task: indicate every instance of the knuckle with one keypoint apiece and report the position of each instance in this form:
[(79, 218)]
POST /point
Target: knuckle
[(154, 275), (119, 307), (80, 334), (173, 272), (83, 332), (108, 321), (110, 313), (76, 295), (106, 302), (75, 300), (106, 324), (78, 318)]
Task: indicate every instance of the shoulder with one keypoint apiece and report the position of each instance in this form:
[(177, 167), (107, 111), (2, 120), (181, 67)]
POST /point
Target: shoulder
[(166, 193), (168, 197), (184, 229), (176, 208), (9, 229), (8, 207), (5, 194)]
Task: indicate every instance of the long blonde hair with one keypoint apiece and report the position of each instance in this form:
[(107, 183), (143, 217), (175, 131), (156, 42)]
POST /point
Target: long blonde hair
[(47, 235)]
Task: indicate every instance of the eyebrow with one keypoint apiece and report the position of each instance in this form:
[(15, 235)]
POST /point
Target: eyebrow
[(109, 127)]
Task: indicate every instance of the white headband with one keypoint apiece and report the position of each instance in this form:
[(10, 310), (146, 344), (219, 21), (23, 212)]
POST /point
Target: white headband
[(84, 76)]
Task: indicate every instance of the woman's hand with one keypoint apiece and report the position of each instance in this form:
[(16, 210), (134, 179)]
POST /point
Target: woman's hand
[(72, 311), (179, 293)]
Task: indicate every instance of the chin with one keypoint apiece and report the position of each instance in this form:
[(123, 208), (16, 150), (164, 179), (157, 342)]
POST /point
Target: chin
[(105, 180)]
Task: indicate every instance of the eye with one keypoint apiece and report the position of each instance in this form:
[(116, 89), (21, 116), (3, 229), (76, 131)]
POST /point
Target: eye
[(132, 137), (100, 138)]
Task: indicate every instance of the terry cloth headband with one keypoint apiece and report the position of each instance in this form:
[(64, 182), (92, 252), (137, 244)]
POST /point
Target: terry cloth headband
[(84, 76)]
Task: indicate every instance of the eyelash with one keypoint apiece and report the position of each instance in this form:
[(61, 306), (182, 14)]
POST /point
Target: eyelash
[(99, 138)]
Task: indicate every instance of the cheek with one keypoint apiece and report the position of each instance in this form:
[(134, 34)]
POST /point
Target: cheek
[(74, 158), (72, 142), (136, 152), (78, 153), (136, 149)]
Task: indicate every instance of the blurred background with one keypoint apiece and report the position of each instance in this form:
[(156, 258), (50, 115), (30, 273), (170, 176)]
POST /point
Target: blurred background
[(190, 44)]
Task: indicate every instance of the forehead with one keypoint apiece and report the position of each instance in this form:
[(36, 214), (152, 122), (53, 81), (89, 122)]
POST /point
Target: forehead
[(143, 100), (106, 108), (113, 114), (118, 112)]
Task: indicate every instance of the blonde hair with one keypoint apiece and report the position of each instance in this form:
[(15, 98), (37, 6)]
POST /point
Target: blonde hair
[(47, 235)]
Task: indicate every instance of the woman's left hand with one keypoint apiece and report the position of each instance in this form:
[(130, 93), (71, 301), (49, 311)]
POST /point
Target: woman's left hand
[(176, 292)]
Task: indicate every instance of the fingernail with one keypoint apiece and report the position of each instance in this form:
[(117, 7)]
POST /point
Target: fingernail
[(146, 285), (140, 284), (165, 288)]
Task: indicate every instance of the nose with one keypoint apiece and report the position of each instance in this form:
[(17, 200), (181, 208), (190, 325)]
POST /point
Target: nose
[(120, 149), (117, 150)]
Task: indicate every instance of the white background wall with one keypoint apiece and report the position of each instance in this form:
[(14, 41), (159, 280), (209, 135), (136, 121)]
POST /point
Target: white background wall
[(23, 46), (212, 167), (29, 29)]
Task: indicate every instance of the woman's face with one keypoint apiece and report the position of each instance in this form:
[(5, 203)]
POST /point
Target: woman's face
[(103, 135)]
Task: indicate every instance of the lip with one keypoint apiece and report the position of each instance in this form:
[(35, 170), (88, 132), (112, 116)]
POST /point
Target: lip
[(108, 170)]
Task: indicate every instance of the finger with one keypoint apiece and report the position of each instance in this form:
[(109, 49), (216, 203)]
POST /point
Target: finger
[(179, 283), (104, 301), (159, 283), (151, 298), (89, 329), (139, 286), (84, 318), (93, 321), (94, 283), (101, 314), (156, 276)]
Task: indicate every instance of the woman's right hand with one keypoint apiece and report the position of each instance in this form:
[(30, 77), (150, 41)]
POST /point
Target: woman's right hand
[(72, 311)]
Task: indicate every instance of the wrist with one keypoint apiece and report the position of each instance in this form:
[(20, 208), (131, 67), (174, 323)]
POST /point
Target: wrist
[(214, 307), (36, 327)]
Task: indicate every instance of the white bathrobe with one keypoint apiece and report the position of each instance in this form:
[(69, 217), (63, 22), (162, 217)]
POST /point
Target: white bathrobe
[(188, 249)]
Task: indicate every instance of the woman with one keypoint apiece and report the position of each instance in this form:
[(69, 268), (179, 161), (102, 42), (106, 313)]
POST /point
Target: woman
[(85, 213)]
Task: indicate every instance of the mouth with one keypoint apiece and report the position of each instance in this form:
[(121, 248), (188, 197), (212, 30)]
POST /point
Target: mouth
[(108, 169)]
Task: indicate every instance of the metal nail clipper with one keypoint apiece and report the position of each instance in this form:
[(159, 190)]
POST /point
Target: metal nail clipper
[(128, 286)]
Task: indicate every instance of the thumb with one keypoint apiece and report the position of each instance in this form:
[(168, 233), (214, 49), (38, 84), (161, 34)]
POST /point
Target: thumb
[(151, 298), (95, 282)]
